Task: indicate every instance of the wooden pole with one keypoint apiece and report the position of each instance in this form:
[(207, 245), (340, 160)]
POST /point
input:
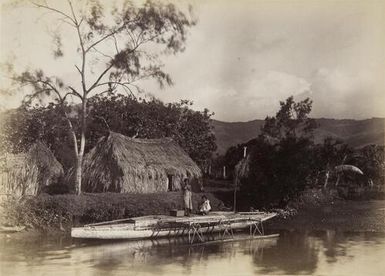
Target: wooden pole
[(235, 196)]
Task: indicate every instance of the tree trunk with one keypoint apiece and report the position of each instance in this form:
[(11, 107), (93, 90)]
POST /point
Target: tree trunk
[(78, 174), (79, 159), (326, 178)]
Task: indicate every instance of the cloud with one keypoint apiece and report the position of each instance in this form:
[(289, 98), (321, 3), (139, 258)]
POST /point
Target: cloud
[(346, 94), (260, 98), (241, 59)]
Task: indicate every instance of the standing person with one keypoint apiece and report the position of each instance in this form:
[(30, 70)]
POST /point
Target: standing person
[(187, 197)]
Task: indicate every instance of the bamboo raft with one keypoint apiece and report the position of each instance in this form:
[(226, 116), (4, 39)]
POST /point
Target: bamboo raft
[(195, 227)]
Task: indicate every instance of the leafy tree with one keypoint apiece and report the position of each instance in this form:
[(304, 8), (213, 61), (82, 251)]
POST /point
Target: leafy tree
[(195, 133), (153, 119), (276, 172), (24, 126), (124, 114), (291, 120), (281, 159), (13, 134), (116, 48)]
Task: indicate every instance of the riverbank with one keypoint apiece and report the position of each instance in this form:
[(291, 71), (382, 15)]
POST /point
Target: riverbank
[(52, 213), (339, 215), (55, 215)]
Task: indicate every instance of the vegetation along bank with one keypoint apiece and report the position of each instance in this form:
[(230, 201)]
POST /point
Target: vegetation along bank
[(52, 212)]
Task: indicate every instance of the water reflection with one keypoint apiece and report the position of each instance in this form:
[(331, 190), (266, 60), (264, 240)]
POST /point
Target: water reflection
[(328, 253), (295, 253)]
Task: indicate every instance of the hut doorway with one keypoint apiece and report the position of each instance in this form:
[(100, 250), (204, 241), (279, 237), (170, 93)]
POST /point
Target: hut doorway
[(170, 179)]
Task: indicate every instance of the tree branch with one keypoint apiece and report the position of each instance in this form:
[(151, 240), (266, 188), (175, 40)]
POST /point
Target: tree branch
[(47, 83), (116, 44), (100, 77), (112, 33), (104, 121), (123, 84), (103, 54), (54, 10), (77, 68), (103, 38), (74, 92)]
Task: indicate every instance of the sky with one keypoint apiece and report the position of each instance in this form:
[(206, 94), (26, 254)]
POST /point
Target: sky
[(243, 57)]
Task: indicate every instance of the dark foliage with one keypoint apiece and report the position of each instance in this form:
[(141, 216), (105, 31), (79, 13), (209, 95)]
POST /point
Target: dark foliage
[(124, 114), (284, 161), (277, 173), (153, 119), (24, 126), (291, 120)]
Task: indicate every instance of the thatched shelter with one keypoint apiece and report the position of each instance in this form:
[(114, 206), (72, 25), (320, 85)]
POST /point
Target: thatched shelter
[(126, 165), (27, 173), (242, 169)]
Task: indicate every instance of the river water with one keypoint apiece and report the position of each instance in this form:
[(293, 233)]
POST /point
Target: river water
[(292, 253)]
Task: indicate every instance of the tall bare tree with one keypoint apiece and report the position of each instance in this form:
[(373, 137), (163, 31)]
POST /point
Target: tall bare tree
[(116, 47)]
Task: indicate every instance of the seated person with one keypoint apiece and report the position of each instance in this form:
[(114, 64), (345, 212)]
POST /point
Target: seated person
[(205, 207)]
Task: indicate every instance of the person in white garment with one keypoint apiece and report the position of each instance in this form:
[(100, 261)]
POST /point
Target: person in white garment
[(205, 207)]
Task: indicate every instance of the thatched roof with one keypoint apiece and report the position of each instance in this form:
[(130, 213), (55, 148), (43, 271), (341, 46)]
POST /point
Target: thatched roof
[(242, 169), (18, 177), (47, 163), (119, 163), (26, 173)]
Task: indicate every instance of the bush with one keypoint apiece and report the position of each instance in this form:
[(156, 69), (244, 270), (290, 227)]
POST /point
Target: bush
[(313, 198), (276, 174)]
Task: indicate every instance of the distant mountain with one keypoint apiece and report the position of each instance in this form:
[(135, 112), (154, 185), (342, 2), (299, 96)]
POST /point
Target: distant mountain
[(356, 133)]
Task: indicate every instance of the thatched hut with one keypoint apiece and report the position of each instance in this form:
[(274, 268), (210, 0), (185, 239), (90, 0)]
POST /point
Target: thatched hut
[(27, 173), (126, 165)]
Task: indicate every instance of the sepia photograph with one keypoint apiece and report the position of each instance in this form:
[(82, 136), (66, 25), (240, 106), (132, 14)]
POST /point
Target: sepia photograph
[(192, 137)]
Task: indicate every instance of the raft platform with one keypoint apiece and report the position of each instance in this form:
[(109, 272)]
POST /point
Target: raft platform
[(195, 227)]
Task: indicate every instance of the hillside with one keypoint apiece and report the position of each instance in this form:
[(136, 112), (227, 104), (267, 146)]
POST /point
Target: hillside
[(357, 133)]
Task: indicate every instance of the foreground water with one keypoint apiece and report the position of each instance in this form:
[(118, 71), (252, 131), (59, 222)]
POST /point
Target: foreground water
[(293, 253)]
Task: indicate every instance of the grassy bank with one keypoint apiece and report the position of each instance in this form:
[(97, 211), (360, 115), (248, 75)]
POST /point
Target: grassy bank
[(339, 215), (46, 212)]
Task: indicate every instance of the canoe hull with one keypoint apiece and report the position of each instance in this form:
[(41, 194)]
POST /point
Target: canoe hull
[(135, 229), (129, 233)]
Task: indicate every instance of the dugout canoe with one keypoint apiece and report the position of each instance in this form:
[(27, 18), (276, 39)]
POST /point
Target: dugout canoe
[(155, 226)]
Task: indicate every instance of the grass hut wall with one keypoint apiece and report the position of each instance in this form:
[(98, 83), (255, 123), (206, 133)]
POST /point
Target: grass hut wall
[(26, 173), (126, 165)]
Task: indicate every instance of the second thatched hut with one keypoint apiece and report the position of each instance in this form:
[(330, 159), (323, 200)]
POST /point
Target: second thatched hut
[(29, 172), (126, 165)]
